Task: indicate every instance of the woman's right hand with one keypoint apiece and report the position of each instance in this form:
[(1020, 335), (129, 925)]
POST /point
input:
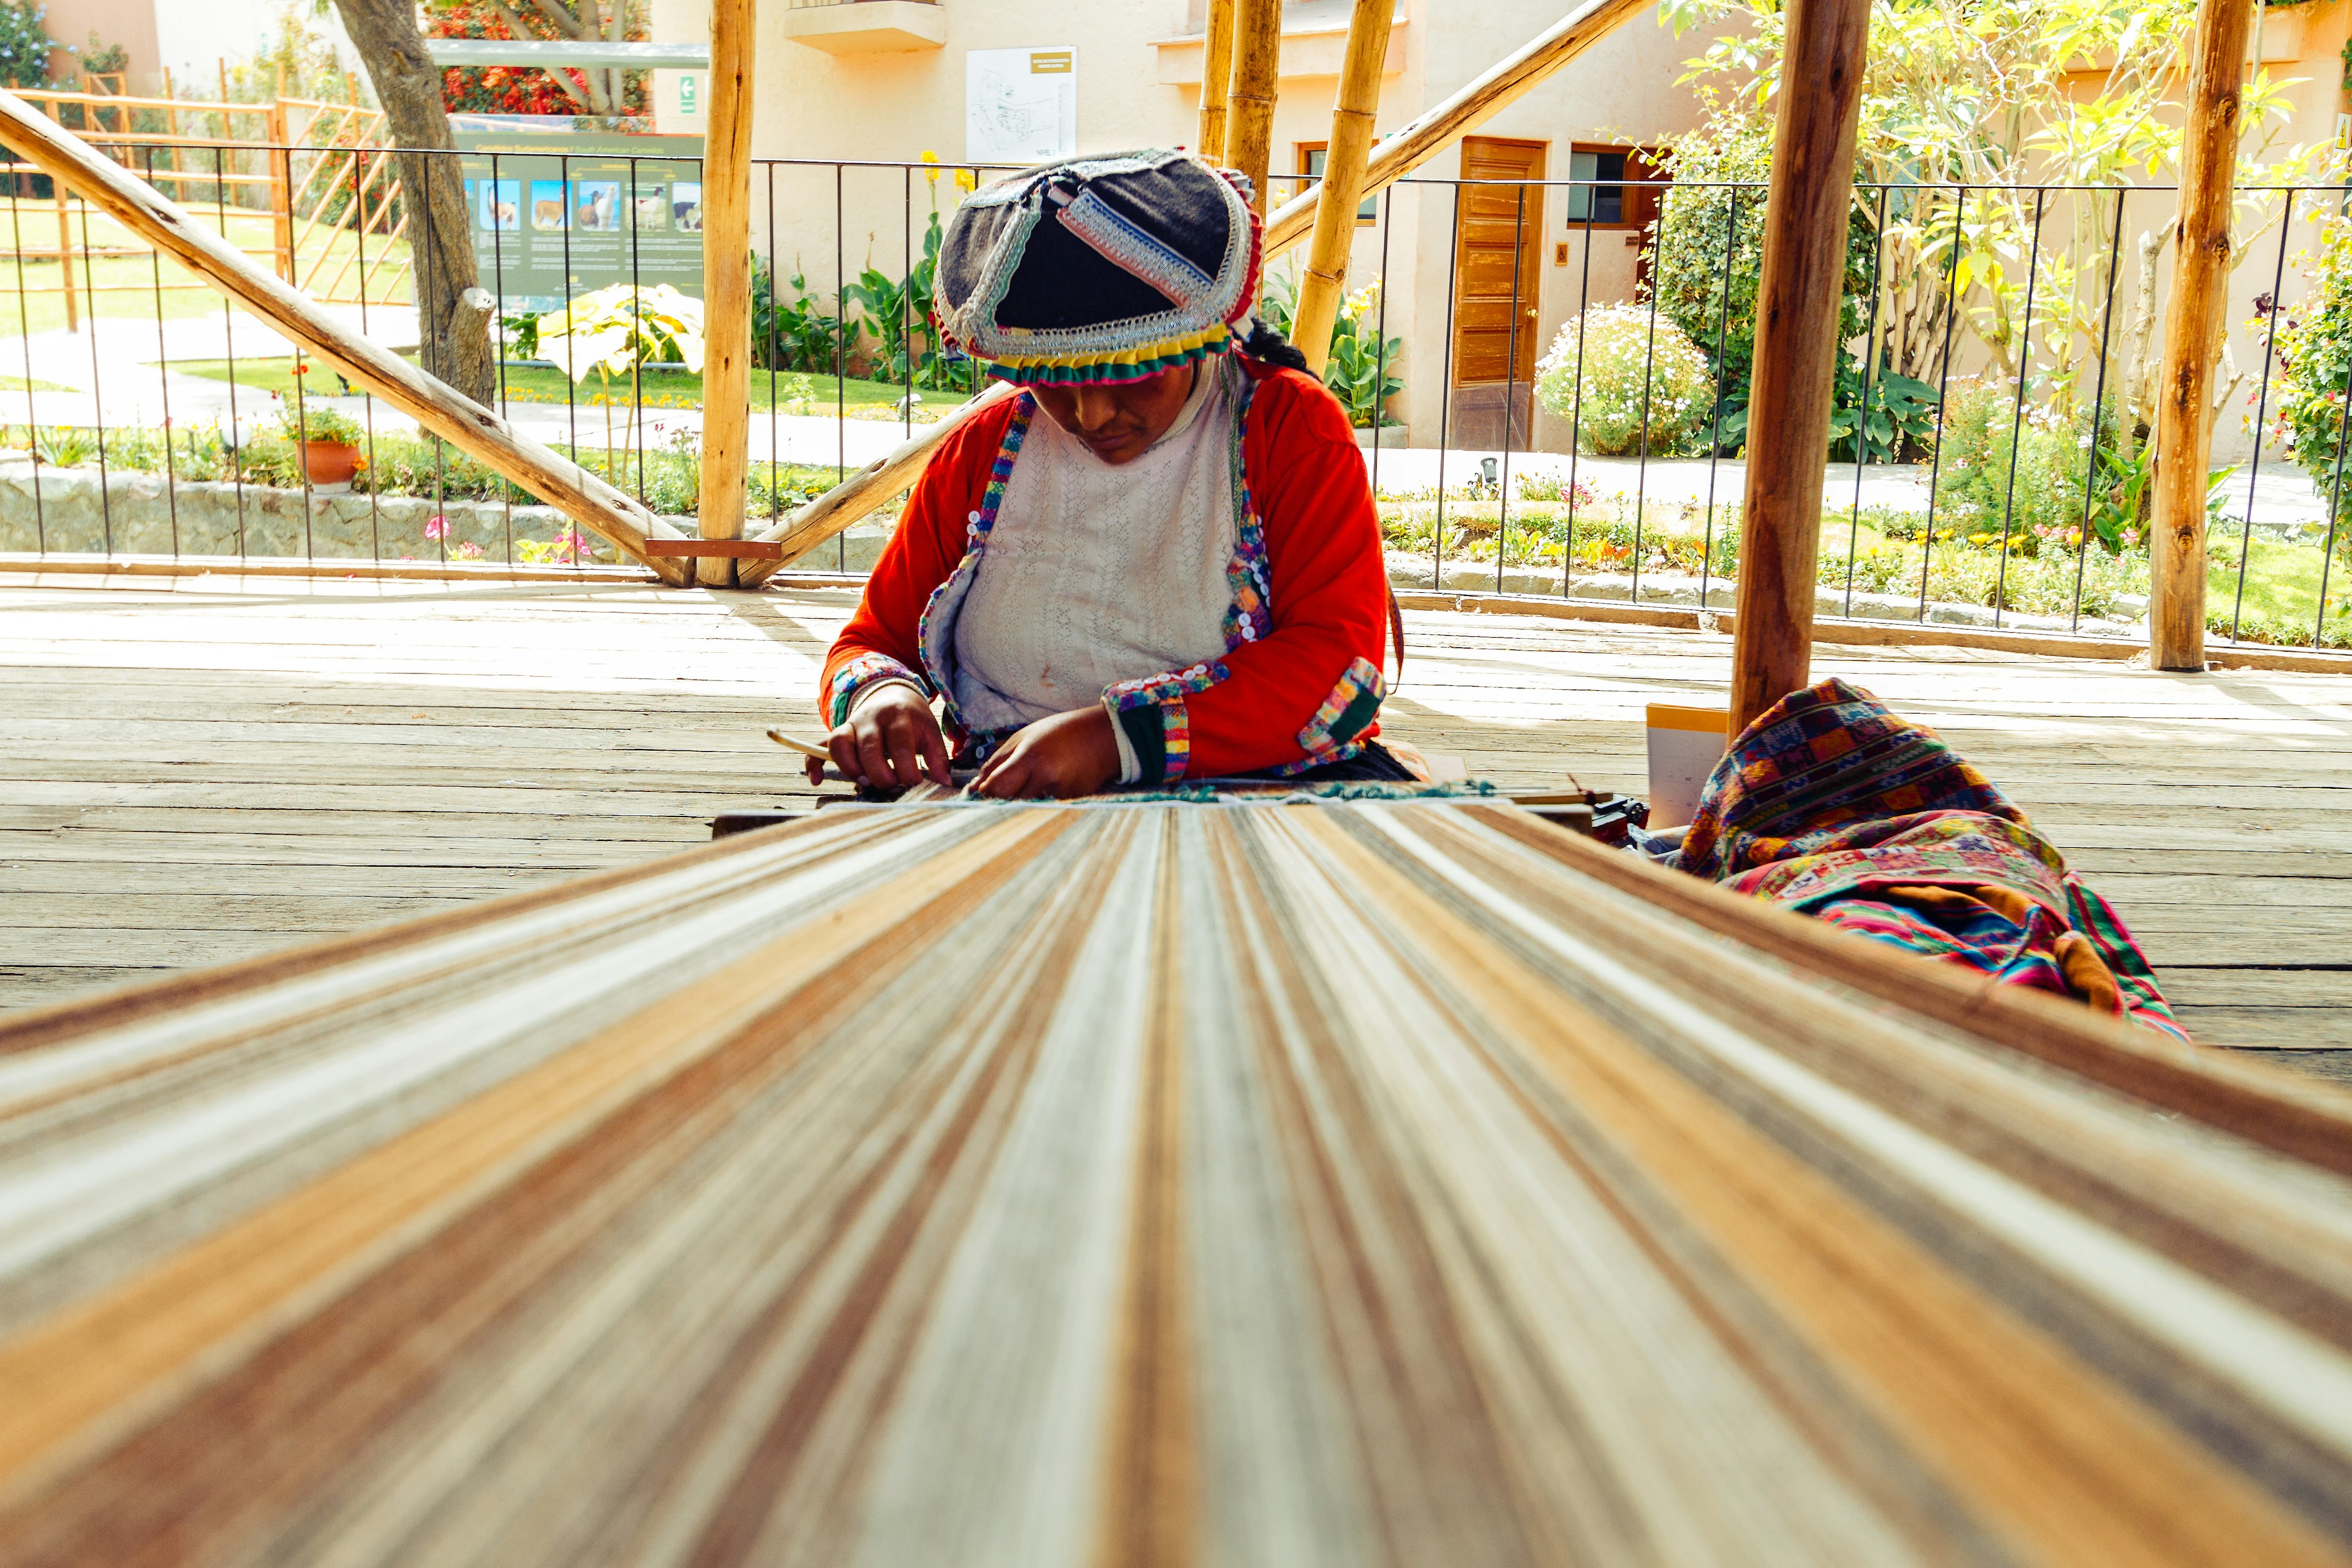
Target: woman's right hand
[(890, 740)]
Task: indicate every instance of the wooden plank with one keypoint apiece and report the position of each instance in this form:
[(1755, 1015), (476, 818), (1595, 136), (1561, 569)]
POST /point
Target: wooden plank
[(478, 431), (2193, 323)]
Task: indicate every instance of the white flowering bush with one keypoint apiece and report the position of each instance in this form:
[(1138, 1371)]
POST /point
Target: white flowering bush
[(1611, 411)]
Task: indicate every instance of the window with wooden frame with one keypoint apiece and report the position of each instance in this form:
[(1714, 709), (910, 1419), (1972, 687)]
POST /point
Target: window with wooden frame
[(1310, 170), (1632, 204)]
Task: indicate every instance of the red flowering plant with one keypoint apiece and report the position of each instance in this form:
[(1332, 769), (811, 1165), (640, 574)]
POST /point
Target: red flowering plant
[(508, 89)]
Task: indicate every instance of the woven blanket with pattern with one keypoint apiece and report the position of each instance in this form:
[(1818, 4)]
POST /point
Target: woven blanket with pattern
[(1834, 806)]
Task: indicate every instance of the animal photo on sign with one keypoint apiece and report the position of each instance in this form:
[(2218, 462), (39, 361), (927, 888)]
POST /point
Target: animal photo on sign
[(597, 207), (653, 211), (686, 206), (547, 203), (497, 203)]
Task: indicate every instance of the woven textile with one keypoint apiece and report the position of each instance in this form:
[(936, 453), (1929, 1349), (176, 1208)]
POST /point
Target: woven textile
[(1833, 805)]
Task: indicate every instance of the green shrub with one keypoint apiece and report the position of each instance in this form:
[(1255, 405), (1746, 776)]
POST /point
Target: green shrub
[(2052, 458), (2314, 356), (25, 44), (1645, 387), (1360, 370)]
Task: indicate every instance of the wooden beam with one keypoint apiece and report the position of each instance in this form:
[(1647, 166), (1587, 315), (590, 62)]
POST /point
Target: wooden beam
[(473, 429), (1217, 78), (1257, 71), (1800, 287), (1341, 191), (726, 287), (1494, 90), (2193, 325)]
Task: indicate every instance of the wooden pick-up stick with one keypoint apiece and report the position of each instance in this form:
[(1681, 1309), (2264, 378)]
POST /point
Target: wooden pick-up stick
[(881, 482), (473, 429)]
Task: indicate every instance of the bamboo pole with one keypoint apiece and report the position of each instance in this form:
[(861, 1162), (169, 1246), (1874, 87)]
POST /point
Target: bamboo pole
[(726, 286), (2193, 323), (1257, 71), (1352, 118), (466, 425), (1438, 127), (281, 194), (1802, 284), (1217, 78)]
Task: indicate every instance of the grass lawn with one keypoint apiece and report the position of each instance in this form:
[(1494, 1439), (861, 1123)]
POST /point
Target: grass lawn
[(125, 285), (2281, 584), (796, 393)]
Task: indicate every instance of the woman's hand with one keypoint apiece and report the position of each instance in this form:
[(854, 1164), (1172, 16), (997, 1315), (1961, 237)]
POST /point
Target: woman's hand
[(1068, 754), (891, 740)]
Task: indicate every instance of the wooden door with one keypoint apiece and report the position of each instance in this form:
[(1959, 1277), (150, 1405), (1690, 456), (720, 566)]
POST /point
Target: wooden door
[(1497, 274)]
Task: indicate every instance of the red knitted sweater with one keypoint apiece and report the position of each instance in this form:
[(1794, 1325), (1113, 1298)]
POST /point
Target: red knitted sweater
[(1301, 682)]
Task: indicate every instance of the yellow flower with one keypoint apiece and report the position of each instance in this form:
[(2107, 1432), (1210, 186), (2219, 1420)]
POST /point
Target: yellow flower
[(966, 180), (932, 173)]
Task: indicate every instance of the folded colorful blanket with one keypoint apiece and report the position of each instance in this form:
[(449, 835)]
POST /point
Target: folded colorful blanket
[(1834, 806)]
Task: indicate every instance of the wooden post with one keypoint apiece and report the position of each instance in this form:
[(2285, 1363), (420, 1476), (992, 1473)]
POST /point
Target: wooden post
[(1217, 78), (1799, 290), (1352, 118), (1257, 71), (2193, 323), (473, 429), (1437, 127), (726, 286)]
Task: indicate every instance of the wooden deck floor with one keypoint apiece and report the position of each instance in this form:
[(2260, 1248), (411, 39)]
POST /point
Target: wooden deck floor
[(196, 770)]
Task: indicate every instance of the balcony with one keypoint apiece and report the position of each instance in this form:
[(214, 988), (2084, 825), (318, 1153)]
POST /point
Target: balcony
[(1314, 42), (867, 27)]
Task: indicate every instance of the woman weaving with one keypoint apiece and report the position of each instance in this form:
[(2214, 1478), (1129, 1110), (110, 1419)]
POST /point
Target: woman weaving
[(1159, 561)]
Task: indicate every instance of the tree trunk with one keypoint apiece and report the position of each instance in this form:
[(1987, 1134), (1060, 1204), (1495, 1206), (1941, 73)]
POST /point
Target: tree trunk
[(452, 312)]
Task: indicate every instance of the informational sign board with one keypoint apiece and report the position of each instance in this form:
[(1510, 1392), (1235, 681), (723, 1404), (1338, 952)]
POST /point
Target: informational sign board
[(1020, 106), (557, 216)]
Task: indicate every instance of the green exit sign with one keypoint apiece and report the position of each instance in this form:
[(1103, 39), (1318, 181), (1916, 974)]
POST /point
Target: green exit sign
[(686, 94)]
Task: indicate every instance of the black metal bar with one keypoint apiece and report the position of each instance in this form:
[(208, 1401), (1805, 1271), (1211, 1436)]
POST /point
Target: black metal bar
[(2098, 407), (1641, 458), (234, 446), (2017, 413), (1714, 430), (2261, 407), (1943, 395), (506, 408), (638, 307), (163, 381), (2334, 504), (840, 362), (1576, 402), (906, 286), (775, 446), (1445, 397), (1510, 389), (419, 294), (570, 343), (1380, 347), (1862, 414), (367, 398), (24, 332), (96, 393)]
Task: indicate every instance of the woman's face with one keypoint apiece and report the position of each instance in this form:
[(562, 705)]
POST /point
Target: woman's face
[(1120, 423)]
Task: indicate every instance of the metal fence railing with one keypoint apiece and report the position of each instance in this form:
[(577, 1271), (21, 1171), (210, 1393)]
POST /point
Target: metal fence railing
[(1552, 401)]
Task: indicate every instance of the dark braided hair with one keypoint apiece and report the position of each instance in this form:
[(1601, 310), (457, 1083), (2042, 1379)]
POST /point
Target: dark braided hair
[(1265, 343)]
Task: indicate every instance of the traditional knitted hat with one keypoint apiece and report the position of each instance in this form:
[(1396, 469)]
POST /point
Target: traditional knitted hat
[(1100, 270)]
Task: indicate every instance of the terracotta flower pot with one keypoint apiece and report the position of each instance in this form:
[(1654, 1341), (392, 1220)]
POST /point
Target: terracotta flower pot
[(329, 462)]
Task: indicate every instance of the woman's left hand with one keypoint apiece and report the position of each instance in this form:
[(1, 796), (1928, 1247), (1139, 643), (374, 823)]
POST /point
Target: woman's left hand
[(1068, 754)]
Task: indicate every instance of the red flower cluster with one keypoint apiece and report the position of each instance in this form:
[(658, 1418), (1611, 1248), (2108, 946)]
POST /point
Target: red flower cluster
[(503, 89)]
